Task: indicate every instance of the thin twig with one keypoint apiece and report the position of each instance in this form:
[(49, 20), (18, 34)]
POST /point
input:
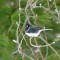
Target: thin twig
[(29, 47), (47, 46), (57, 10), (50, 47), (40, 52)]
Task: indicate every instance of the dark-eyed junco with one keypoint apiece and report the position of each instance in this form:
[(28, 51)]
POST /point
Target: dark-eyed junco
[(33, 31)]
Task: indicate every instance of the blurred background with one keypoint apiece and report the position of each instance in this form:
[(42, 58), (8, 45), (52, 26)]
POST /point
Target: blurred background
[(45, 13)]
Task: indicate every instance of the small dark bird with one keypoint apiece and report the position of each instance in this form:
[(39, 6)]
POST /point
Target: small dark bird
[(33, 31)]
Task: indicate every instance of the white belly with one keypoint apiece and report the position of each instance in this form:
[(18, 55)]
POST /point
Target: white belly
[(32, 34)]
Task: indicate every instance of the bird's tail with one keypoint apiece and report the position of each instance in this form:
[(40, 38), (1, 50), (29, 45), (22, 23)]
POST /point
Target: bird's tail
[(45, 29)]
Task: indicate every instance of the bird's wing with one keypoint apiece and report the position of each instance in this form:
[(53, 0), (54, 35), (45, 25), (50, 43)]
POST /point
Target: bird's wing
[(33, 29)]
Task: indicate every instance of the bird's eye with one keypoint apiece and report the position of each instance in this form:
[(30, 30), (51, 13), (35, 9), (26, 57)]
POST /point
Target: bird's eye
[(27, 26)]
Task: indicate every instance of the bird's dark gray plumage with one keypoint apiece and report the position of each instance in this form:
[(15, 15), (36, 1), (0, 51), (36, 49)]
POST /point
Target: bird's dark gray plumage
[(33, 31)]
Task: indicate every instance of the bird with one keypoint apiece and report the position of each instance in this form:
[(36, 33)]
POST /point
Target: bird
[(33, 31)]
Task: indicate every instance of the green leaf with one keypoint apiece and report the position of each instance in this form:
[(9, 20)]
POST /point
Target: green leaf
[(4, 41), (53, 57)]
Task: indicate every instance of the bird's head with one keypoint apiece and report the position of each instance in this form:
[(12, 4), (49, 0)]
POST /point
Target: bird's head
[(27, 26)]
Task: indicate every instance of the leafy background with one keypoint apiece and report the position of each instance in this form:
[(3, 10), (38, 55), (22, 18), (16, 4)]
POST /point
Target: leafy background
[(8, 18)]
